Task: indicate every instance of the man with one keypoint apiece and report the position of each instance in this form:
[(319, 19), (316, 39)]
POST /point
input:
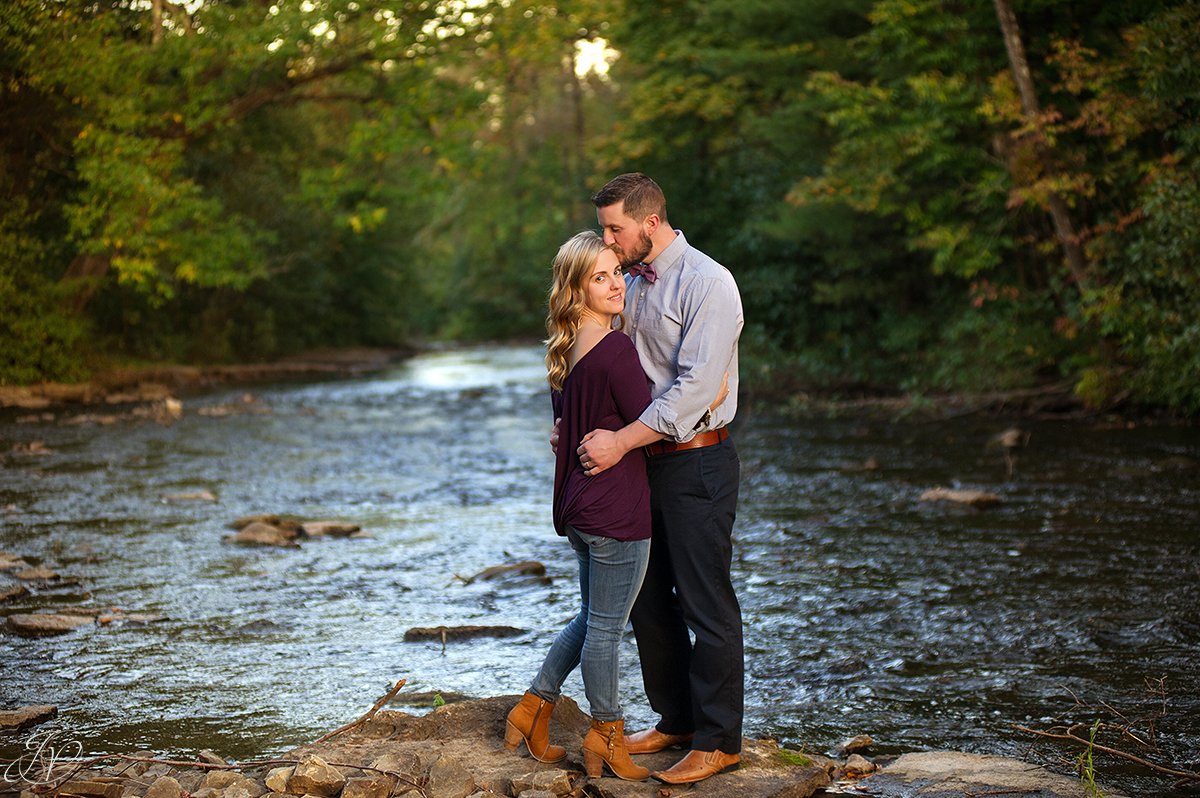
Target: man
[(684, 314)]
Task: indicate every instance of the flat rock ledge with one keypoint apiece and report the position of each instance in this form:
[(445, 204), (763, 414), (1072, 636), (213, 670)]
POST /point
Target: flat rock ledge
[(950, 774), (456, 751), (154, 383)]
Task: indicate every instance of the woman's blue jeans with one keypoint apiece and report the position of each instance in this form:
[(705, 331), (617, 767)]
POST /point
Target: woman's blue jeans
[(610, 575)]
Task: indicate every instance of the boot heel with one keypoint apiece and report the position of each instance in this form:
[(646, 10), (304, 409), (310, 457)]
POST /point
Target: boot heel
[(512, 737), (593, 763)]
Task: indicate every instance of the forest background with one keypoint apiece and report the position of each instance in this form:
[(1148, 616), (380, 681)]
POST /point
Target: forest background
[(236, 180)]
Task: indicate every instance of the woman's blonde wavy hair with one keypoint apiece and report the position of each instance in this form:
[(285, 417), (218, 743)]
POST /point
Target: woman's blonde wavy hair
[(567, 300)]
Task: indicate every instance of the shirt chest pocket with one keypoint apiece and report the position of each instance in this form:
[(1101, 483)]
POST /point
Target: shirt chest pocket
[(659, 335)]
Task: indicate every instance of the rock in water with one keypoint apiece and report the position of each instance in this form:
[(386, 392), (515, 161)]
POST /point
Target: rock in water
[(17, 719), (258, 533), (331, 529), (953, 773), (40, 624), (974, 498), (859, 742), (193, 496)]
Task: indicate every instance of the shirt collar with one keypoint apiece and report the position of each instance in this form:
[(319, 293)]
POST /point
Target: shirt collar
[(669, 257)]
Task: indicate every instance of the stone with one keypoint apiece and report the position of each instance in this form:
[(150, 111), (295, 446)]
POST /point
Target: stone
[(332, 529), (974, 498), (402, 762), (13, 592), (860, 742), (284, 522), (31, 449), (947, 774), (402, 767), (220, 779), (445, 633), (243, 788), (374, 786), (190, 496), (142, 392), (858, 766), (92, 788), (190, 781), (536, 794), (211, 757), (164, 787), (17, 719), (555, 782), (258, 533), (41, 624), (277, 779), (11, 562), (448, 778), (36, 574), (131, 768), (313, 775), (119, 615)]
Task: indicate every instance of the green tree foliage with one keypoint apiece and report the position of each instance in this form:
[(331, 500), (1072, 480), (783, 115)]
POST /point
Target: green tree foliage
[(514, 169), (869, 173), (233, 180), (1148, 303)]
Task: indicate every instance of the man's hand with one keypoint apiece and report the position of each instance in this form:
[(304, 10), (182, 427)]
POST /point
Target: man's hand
[(599, 450), (554, 436)]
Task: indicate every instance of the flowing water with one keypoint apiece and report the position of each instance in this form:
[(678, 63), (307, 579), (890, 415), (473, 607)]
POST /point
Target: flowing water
[(924, 624)]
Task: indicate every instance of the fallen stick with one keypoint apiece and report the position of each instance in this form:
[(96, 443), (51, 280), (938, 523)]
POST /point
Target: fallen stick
[(370, 713), (1186, 775)]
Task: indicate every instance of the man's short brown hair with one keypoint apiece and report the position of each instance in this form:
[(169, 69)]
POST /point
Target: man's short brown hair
[(641, 196)]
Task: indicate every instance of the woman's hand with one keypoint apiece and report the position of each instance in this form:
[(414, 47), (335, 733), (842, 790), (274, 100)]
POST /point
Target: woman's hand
[(722, 393)]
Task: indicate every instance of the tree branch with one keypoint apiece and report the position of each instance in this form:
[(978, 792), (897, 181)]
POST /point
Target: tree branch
[(370, 713), (1186, 775)]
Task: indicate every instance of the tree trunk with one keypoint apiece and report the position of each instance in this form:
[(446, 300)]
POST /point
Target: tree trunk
[(156, 21), (87, 269), (1059, 214)]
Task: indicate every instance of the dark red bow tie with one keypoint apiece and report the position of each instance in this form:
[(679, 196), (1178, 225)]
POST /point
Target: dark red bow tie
[(645, 270)]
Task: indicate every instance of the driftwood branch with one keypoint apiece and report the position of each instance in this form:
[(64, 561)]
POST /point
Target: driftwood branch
[(1069, 734), (370, 713)]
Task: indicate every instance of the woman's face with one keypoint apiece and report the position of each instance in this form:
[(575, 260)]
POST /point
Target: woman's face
[(604, 290)]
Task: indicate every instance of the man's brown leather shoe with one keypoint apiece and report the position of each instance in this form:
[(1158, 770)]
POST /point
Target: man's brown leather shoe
[(651, 741), (698, 766)]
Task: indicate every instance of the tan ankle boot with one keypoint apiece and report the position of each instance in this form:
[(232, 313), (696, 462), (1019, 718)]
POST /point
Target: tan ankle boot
[(605, 745), (529, 722)]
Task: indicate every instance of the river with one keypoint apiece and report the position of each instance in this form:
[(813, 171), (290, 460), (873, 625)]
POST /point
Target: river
[(926, 625)]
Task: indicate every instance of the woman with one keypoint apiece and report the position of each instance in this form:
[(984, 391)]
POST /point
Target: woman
[(596, 381)]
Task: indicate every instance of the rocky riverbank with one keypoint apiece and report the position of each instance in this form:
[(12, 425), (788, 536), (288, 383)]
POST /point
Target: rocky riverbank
[(153, 384), (456, 751)]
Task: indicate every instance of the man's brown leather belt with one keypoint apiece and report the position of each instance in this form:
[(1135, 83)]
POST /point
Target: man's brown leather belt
[(711, 438)]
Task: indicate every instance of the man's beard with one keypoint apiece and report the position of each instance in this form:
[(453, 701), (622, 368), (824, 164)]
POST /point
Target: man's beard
[(638, 253)]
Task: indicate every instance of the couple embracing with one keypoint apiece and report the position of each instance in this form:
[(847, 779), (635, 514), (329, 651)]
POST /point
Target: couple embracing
[(643, 370)]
